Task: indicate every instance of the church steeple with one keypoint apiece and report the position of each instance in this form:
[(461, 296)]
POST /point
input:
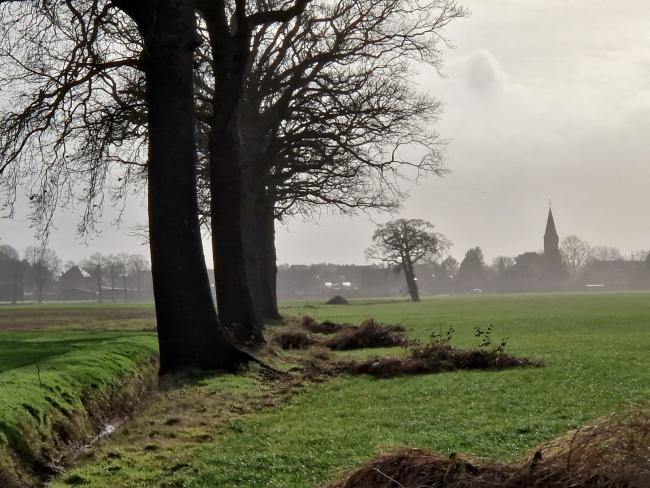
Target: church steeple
[(551, 239)]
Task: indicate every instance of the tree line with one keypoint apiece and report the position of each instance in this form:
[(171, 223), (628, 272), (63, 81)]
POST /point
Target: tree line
[(228, 114), (39, 270), (414, 248)]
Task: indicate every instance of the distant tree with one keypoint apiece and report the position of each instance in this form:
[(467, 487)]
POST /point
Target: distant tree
[(404, 242), (501, 264), (606, 253), (96, 265), (123, 269), (639, 255), (576, 253), (44, 264), (471, 270), (138, 264), (12, 270), (115, 267)]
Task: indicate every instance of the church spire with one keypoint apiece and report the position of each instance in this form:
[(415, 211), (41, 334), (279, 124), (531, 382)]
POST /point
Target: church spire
[(551, 239)]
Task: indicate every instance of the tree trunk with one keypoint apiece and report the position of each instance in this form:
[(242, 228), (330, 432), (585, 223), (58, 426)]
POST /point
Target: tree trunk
[(234, 302), (189, 334), (259, 230), (99, 284), (410, 281), (112, 285)]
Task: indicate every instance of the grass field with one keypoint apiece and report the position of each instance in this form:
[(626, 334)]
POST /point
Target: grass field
[(597, 353)]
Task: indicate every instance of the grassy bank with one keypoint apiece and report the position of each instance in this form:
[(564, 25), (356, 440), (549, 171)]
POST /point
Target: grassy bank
[(54, 386), (596, 348)]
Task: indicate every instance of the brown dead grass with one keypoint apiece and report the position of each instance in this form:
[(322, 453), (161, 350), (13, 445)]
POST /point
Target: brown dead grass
[(613, 453), (326, 327), (428, 359), (368, 335), (293, 339)]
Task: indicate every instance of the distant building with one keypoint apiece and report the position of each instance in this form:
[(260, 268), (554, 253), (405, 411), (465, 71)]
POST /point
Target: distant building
[(538, 272), (77, 284)]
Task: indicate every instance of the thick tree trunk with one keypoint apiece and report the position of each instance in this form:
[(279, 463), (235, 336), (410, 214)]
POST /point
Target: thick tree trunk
[(188, 330), (234, 302), (259, 233)]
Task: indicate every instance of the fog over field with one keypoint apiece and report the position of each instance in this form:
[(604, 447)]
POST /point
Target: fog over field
[(543, 100)]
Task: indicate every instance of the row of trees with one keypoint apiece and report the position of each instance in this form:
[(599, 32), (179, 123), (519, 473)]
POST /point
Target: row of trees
[(39, 268), (263, 109), (406, 243)]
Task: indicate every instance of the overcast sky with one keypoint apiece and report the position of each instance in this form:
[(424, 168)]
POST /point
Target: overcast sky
[(544, 99)]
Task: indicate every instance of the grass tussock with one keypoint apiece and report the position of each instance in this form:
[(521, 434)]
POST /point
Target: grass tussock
[(614, 453)]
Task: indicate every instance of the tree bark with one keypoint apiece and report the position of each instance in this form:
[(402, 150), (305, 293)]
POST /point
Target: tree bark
[(234, 302), (259, 234), (189, 333)]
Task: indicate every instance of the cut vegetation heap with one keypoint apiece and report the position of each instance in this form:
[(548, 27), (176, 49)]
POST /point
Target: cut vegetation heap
[(614, 453), (436, 356), (370, 334)]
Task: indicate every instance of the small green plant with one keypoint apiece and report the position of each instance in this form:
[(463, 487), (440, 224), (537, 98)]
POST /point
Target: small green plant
[(440, 338), (486, 341)]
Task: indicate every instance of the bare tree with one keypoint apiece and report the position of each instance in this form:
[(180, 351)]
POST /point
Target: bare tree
[(69, 54), (44, 265), (576, 253), (606, 253), (115, 268), (138, 264), (96, 264), (12, 268), (328, 103), (402, 243)]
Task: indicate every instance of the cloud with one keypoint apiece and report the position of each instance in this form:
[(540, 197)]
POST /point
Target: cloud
[(481, 73)]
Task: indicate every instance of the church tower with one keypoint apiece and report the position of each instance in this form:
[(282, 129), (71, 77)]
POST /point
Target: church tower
[(551, 239)]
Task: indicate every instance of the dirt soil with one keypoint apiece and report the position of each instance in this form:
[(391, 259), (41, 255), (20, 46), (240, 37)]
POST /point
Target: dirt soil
[(40, 318)]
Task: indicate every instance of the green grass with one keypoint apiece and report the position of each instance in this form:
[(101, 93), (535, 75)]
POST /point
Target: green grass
[(597, 353), (45, 375)]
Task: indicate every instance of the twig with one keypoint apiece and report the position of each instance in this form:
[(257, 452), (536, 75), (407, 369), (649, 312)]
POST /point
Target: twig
[(568, 458), (389, 478), (38, 372)]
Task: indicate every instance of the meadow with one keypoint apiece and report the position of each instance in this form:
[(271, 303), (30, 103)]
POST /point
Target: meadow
[(204, 432)]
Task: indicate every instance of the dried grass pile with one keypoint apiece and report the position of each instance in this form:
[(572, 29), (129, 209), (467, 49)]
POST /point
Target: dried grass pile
[(370, 334), (326, 327), (434, 358), (293, 339), (614, 453)]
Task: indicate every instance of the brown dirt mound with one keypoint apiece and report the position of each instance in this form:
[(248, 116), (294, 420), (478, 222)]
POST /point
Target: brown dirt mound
[(337, 300), (293, 339), (615, 453), (433, 358), (326, 327), (369, 334)]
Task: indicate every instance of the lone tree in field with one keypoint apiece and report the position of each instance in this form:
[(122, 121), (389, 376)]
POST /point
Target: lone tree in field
[(403, 243)]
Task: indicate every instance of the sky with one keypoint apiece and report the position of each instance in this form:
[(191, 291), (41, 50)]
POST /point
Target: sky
[(543, 100)]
